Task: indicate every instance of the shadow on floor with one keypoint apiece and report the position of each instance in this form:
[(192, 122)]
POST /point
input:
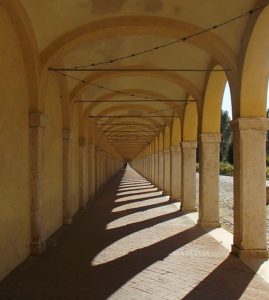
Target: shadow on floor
[(66, 270)]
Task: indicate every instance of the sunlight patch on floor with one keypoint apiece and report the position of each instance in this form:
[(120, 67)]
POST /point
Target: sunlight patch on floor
[(137, 197), (141, 203), (137, 191)]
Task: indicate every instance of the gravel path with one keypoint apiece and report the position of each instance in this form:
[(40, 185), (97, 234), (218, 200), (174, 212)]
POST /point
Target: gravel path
[(226, 203)]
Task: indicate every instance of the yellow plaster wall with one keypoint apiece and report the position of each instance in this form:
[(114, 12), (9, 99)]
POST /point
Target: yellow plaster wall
[(256, 70), (176, 132), (156, 142), (14, 152), (190, 122), (53, 159), (75, 160), (167, 138), (211, 117), (160, 141)]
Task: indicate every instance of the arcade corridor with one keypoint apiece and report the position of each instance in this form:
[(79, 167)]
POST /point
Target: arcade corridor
[(133, 243)]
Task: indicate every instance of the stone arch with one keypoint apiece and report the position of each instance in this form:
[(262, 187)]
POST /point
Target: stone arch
[(168, 76), (255, 70), (29, 48), (156, 143), (176, 131), (190, 122), (139, 25), (211, 110), (167, 138), (160, 141), (148, 93), (67, 107)]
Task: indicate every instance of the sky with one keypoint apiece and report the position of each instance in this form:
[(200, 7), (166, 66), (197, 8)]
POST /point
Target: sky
[(226, 103)]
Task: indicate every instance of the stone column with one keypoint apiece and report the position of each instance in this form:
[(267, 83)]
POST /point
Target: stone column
[(156, 169), (188, 192), (37, 125), (152, 168), (104, 167), (160, 179), (148, 167), (97, 168), (108, 166), (249, 135), (175, 172), (101, 171), (67, 176), (166, 171), (209, 180), (83, 174), (91, 170)]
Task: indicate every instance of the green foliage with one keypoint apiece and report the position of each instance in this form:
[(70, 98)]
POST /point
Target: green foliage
[(230, 157), (226, 138), (267, 160), (226, 169), (267, 172)]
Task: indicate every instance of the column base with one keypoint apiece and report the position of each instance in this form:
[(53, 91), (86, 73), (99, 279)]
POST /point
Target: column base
[(188, 210), (175, 199), (37, 249), (208, 224), (83, 207), (250, 253), (67, 221)]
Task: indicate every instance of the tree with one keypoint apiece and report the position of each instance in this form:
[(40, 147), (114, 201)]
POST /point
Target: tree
[(226, 138)]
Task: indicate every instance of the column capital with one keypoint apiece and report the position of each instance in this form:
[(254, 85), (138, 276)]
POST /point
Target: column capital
[(189, 144), (250, 123), (166, 151), (210, 138), (67, 134), (175, 148), (82, 142), (37, 119)]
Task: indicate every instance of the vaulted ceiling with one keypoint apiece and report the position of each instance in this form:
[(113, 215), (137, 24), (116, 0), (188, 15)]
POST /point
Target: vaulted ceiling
[(73, 33)]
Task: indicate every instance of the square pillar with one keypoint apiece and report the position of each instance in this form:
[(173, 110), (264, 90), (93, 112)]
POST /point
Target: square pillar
[(152, 168), (160, 174), (37, 125), (83, 174), (91, 170), (67, 176), (209, 180), (97, 168), (156, 168), (188, 192), (249, 135), (175, 182), (166, 171)]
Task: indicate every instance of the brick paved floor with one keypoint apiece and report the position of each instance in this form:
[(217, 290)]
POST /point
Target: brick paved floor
[(132, 243)]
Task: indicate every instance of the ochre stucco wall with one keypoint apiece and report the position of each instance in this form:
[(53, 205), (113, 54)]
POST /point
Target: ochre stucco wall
[(75, 161), (14, 152), (53, 160)]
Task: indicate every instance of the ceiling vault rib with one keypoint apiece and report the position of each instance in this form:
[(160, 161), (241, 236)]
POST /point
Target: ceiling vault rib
[(138, 100), (124, 124), (140, 70), (176, 41), (131, 116)]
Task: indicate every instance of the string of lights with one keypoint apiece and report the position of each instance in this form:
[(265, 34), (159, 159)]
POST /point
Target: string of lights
[(181, 39), (137, 70), (124, 124), (132, 100), (130, 116), (103, 87)]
